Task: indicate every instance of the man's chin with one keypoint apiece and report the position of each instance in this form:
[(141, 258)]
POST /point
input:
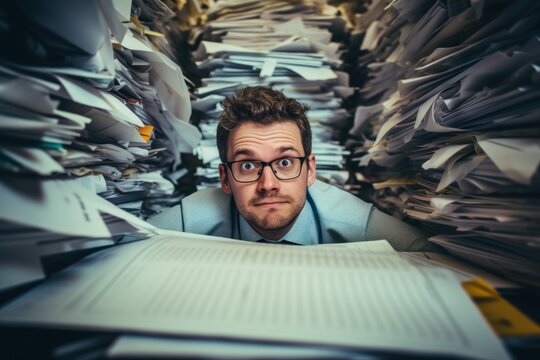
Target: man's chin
[(274, 222)]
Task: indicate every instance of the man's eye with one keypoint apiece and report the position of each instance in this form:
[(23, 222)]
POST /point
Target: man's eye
[(284, 163), (246, 166)]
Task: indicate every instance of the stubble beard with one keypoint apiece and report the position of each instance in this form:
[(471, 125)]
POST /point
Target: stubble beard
[(273, 221)]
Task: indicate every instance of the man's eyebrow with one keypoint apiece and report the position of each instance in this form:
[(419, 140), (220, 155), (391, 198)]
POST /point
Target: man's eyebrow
[(288, 148), (246, 152), (251, 153)]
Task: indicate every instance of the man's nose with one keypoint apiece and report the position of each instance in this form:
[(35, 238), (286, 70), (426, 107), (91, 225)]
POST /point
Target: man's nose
[(268, 181)]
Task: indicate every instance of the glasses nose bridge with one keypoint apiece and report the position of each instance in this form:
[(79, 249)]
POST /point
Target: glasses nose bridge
[(265, 164)]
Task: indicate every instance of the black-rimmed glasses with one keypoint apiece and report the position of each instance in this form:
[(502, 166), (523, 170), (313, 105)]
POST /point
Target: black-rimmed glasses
[(285, 168)]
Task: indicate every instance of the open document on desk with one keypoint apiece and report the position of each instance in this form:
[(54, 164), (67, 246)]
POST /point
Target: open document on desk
[(207, 287)]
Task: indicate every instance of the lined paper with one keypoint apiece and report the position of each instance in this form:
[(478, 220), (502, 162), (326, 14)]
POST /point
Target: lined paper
[(186, 284)]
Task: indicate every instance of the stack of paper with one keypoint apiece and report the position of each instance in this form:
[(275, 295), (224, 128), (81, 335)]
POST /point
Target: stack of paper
[(458, 146), (44, 218), (173, 28), (84, 98), (207, 294), (286, 47)]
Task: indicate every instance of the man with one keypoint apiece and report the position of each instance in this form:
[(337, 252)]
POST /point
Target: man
[(269, 190)]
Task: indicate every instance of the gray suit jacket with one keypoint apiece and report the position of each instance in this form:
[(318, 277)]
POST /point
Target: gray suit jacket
[(339, 217)]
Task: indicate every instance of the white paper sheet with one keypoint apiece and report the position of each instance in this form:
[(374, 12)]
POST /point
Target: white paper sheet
[(185, 284), (134, 346), (50, 205)]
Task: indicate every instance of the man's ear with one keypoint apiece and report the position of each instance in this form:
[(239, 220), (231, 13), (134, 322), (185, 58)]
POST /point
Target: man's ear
[(224, 179), (312, 172)]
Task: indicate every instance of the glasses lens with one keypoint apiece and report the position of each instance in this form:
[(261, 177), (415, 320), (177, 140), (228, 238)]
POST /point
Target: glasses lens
[(287, 168), (246, 170)]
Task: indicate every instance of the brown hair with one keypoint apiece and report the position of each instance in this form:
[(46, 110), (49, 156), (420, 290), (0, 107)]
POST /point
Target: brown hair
[(264, 106)]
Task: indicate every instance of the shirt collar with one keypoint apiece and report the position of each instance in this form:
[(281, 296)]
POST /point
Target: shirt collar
[(303, 231)]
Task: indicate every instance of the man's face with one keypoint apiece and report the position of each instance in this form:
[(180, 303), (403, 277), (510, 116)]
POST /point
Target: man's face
[(269, 205)]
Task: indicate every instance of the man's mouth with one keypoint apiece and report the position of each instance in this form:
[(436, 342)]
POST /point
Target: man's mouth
[(270, 201)]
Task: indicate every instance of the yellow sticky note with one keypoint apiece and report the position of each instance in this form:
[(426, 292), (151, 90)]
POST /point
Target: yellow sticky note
[(135, 20), (146, 132), (503, 317), (153, 33)]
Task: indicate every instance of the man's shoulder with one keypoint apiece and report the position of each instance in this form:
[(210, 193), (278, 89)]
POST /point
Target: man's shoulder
[(195, 210), (209, 212), (209, 194), (343, 216), (205, 203), (330, 194)]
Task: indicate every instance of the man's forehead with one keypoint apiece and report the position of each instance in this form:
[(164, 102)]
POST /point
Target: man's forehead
[(279, 131), (250, 138)]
